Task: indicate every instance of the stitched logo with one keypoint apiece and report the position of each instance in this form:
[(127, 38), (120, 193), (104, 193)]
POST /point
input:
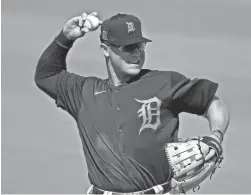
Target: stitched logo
[(150, 113), (104, 35), (130, 27)]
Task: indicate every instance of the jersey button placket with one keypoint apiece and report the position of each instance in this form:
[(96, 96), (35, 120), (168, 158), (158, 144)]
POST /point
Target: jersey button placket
[(133, 175), (120, 139)]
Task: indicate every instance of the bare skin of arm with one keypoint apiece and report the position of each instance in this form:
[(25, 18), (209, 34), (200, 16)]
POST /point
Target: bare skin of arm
[(218, 117)]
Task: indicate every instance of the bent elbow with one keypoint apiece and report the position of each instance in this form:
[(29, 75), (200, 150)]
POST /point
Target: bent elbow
[(37, 78), (38, 82)]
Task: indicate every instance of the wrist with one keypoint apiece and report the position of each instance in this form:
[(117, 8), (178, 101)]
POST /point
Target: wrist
[(217, 134), (63, 41)]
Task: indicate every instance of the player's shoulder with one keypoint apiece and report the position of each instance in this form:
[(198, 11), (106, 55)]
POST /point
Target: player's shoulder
[(166, 74), (169, 78), (94, 81), (73, 76)]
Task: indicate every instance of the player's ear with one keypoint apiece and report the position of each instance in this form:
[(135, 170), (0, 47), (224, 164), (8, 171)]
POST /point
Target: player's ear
[(104, 49)]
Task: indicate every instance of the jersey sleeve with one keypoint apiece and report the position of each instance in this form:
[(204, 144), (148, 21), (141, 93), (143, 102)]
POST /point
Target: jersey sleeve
[(69, 92), (191, 96)]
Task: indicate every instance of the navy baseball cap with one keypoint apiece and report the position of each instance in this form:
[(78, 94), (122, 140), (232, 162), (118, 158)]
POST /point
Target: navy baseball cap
[(122, 29)]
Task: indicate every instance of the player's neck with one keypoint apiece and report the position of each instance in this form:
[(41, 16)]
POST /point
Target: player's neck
[(116, 78), (116, 82)]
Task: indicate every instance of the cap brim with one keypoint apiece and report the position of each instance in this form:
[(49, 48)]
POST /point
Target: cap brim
[(130, 40)]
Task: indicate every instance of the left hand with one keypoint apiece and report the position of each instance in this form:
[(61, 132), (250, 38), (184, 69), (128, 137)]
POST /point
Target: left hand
[(193, 160), (212, 152)]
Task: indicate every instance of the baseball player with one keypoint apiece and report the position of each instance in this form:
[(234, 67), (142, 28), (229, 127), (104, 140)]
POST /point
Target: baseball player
[(125, 120)]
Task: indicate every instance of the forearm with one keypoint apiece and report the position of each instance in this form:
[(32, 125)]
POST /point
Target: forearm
[(218, 117), (51, 63)]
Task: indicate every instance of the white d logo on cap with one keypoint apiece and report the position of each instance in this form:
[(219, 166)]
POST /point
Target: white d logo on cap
[(130, 26), (104, 35)]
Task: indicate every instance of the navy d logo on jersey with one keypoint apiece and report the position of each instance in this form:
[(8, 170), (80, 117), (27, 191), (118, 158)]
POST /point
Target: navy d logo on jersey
[(150, 113)]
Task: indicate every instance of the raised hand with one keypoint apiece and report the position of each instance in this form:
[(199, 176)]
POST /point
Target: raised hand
[(78, 26)]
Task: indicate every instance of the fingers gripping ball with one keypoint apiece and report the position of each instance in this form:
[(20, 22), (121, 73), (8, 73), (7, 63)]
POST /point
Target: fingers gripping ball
[(92, 23)]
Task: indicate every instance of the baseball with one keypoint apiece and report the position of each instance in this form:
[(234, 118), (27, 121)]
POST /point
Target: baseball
[(92, 23)]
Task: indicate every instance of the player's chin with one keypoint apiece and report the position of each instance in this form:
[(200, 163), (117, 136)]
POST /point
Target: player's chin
[(134, 69)]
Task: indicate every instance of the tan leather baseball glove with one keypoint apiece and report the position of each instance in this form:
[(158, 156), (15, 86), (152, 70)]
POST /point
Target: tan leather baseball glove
[(187, 160)]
